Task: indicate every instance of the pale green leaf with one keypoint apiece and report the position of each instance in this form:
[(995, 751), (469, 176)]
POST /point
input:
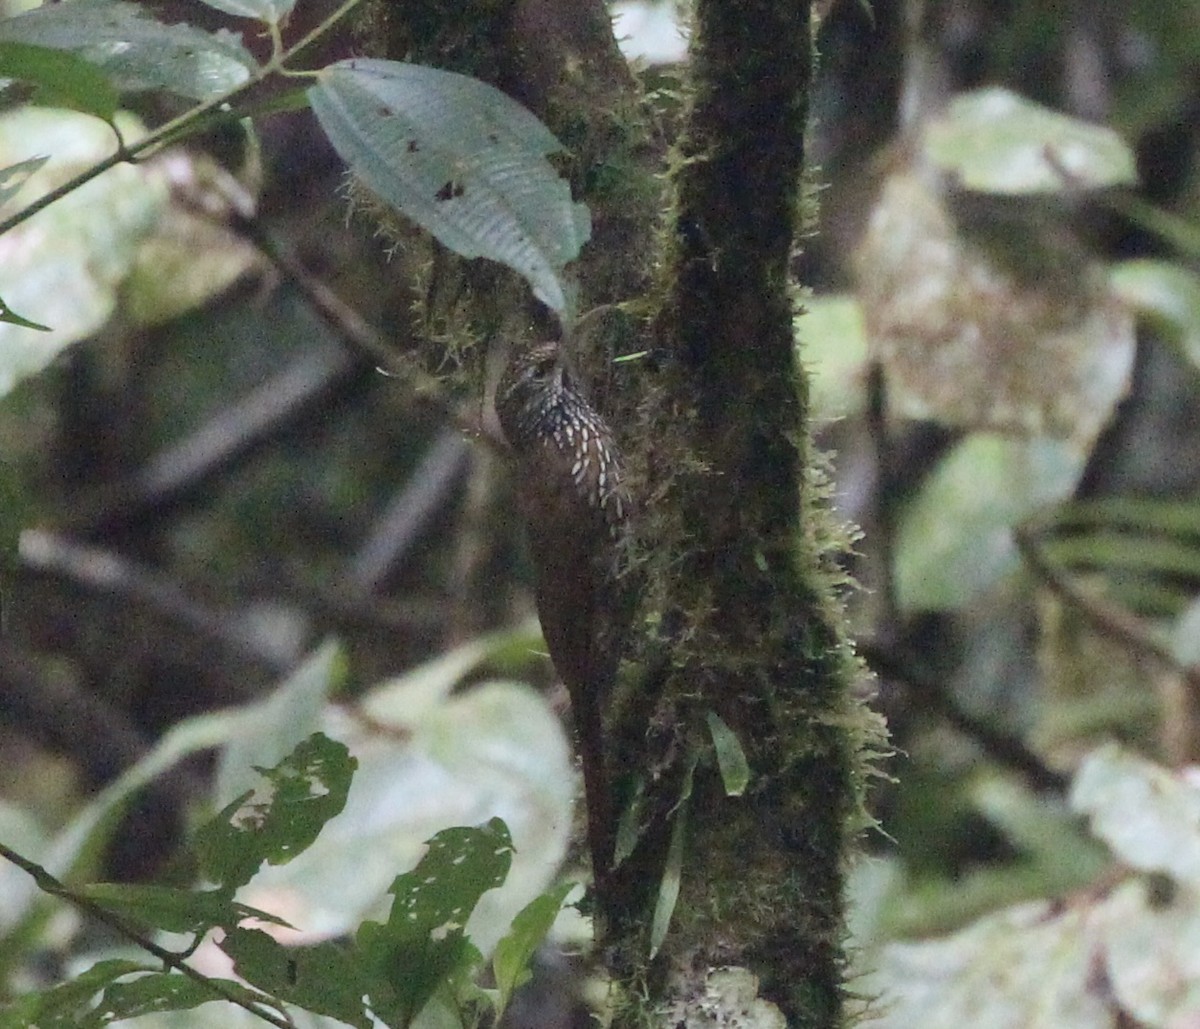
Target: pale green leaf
[(1152, 959), (1148, 815), (493, 749), (955, 538), (134, 51), (1166, 293), (461, 159), (272, 12), (1032, 966), (833, 348), (995, 141), (61, 79), (65, 265), (731, 758), (1185, 636), (272, 728)]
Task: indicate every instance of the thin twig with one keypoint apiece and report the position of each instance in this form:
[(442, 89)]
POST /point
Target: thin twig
[(182, 469), (48, 884), (56, 711), (103, 571), (409, 513), (1004, 749), (885, 493), (350, 327), (1134, 634)]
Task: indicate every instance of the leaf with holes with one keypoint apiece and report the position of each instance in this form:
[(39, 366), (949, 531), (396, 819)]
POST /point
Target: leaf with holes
[(423, 943), (325, 978), (462, 160), (171, 909), (309, 788)]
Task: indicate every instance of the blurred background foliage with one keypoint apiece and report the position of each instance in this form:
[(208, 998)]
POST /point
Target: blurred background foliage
[(1003, 329)]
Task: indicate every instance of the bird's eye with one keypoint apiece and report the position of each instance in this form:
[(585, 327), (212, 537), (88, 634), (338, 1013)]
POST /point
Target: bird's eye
[(544, 368)]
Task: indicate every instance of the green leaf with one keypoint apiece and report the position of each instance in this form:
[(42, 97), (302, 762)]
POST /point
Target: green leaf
[(672, 879), (668, 888), (1166, 293), (1142, 514), (7, 314), (833, 347), (160, 992), (1185, 636), (510, 962), (271, 729), (995, 141), (1126, 551), (493, 748), (630, 824), (423, 943), (61, 78), (326, 978), (955, 537), (62, 1006), (462, 160), (135, 52), (77, 849), (422, 690), (309, 788), (731, 759), (270, 11), (174, 910), (14, 177)]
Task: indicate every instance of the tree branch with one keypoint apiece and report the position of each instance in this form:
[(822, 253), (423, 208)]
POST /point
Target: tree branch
[(182, 470), (1004, 749), (410, 512), (52, 886)]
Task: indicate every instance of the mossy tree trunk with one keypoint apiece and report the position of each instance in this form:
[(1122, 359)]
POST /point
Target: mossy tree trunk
[(738, 618), (753, 633)]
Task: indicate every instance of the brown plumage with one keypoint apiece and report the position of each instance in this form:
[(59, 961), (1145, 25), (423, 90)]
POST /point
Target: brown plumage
[(573, 496)]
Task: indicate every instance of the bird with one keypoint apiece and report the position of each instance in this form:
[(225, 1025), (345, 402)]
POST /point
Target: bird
[(574, 499)]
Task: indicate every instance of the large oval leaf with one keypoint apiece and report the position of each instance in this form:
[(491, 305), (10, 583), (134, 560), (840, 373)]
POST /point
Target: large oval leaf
[(461, 159)]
